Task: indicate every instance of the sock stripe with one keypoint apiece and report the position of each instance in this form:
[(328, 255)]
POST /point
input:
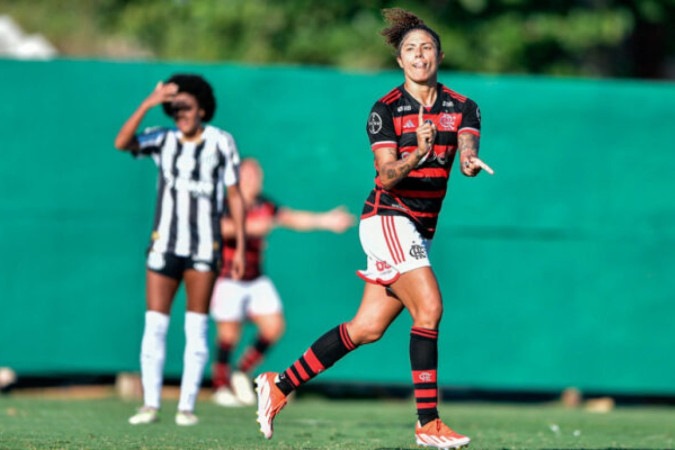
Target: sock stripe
[(424, 332), (290, 375), (302, 373), (426, 393), (346, 340), (313, 362), (430, 405)]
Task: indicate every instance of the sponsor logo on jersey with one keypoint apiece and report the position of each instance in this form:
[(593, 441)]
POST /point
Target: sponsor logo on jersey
[(374, 123), (409, 124), (448, 104), (195, 187)]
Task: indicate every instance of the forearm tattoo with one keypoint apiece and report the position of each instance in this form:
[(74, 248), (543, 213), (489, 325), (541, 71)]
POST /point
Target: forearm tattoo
[(395, 171), (467, 142)]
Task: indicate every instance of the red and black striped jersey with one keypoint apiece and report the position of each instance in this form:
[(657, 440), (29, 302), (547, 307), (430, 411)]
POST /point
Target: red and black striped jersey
[(261, 207), (392, 122)]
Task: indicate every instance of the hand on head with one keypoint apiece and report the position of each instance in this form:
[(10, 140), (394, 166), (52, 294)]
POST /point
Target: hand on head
[(163, 93)]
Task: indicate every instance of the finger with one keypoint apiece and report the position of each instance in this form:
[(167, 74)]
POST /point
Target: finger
[(159, 85), (421, 116), (483, 166)]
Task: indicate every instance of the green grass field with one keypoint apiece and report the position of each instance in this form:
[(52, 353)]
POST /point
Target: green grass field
[(30, 422)]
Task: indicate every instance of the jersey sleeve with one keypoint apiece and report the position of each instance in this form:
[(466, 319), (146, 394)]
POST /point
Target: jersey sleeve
[(150, 141), (380, 127), (228, 147), (273, 206), (470, 118)]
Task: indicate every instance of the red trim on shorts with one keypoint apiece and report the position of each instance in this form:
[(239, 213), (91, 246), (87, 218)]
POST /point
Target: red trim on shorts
[(394, 246), (397, 241), (378, 281)]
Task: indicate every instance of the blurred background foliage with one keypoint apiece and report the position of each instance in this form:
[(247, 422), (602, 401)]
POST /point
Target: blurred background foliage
[(592, 38)]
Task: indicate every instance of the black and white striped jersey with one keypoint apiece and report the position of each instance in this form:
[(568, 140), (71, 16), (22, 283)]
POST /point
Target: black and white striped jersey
[(190, 190)]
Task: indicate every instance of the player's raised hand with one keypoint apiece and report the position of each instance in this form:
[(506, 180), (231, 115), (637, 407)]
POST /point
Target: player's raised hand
[(162, 93), (426, 133)]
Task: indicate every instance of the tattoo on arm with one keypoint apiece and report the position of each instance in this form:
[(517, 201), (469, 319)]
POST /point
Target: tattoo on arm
[(467, 142)]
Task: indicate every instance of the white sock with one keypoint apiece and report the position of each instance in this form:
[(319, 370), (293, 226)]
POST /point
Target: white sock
[(194, 360), (153, 351)]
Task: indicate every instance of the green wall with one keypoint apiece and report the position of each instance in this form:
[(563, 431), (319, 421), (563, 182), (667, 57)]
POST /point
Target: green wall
[(556, 271)]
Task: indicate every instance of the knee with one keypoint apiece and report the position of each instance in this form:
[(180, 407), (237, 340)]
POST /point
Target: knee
[(272, 330), (364, 333), (272, 334), (428, 315)]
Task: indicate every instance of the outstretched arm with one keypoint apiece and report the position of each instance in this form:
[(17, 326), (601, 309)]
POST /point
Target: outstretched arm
[(125, 139), (336, 220)]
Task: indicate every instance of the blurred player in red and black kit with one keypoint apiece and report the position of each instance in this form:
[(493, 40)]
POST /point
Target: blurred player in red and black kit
[(254, 298), (415, 131)]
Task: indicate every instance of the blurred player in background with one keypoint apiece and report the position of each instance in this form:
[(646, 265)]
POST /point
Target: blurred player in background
[(415, 131), (254, 297), (197, 164)]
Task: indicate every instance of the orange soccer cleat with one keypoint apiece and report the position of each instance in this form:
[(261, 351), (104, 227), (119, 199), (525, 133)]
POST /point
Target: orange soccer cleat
[(439, 435), (270, 401)]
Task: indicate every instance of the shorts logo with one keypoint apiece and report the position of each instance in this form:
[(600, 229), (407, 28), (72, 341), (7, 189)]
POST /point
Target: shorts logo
[(374, 123), (418, 252), (425, 377), (382, 265), (156, 261), (201, 267)]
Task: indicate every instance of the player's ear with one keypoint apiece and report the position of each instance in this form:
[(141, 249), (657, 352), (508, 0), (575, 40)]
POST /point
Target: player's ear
[(399, 61)]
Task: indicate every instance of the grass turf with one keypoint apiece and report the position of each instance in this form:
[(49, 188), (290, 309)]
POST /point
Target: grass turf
[(317, 423)]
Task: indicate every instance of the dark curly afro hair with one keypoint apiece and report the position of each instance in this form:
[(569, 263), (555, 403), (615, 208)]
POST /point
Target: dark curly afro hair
[(197, 86)]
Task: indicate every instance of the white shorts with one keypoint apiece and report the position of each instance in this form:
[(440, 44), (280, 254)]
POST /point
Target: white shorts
[(393, 246), (235, 301)]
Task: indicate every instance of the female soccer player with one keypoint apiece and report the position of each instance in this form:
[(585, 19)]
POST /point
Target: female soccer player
[(415, 131), (196, 163)]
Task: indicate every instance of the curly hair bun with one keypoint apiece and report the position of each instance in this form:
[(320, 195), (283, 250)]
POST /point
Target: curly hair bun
[(400, 23), (199, 88)]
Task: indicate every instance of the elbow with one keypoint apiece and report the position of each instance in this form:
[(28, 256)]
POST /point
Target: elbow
[(122, 146), (388, 185)]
